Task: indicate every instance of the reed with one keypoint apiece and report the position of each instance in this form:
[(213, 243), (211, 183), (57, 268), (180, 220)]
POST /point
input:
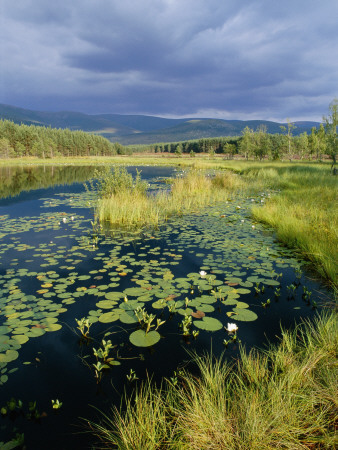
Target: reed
[(130, 207), (282, 397)]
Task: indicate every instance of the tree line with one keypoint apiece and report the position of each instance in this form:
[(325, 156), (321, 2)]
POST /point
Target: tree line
[(23, 140), (259, 144), (30, 140)]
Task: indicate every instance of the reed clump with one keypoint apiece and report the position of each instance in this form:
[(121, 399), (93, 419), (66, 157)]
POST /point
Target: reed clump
[(282, 397), (124, 202)]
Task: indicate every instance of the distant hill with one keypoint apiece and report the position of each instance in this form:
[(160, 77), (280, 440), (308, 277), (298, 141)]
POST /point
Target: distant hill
[(140, 129)]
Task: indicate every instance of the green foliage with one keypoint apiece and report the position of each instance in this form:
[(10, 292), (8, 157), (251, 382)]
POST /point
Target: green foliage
[(84, 326), (331, 124), (119, 182), (283, 397), (56, 404), (23, 140)]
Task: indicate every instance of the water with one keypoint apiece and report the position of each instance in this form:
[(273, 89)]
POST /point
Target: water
[(55, 268)]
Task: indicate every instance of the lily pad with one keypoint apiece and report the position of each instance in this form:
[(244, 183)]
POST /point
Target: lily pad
[(244, 315), (9, 356), (139, 338), (128, 317), (209, 324), (106, 304), (108, 317)]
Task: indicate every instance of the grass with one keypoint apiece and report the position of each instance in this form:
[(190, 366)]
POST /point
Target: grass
[(304, 213), (132, 208), (284, 397)]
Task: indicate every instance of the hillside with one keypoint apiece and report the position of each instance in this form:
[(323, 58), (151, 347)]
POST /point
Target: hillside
[(141, 129)]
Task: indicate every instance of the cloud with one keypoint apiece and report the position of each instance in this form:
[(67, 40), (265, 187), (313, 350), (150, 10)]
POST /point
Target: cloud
[(253, 58)]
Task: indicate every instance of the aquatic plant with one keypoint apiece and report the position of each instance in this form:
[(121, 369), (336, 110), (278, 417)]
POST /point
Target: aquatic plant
[(56, 404), (132, 376), (231, 328), (84, 326), (186, 325)]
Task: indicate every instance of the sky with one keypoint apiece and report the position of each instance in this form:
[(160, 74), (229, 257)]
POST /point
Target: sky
[(228, 59)]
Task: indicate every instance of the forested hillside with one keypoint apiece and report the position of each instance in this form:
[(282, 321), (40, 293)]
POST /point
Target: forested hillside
[(141, 129), (29, 140)]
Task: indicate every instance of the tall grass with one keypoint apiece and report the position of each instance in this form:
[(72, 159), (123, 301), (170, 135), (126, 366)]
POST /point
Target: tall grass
[(131, 207), (284, 397), (304, 213)]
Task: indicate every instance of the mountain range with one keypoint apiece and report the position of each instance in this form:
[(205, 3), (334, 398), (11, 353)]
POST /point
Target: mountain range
[(142, 129)]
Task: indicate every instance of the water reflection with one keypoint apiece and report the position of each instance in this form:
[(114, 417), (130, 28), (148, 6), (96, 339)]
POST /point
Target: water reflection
[(16, 179)]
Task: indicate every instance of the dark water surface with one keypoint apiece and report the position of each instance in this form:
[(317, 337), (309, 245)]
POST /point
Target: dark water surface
[(56, 268)]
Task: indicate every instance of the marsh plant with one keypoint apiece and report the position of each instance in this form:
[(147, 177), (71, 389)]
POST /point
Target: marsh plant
[(306, 294), (123, 201), (132, 376), (186, 325), (83, 325), (145, 320), (104, 359), (283, 397), (56, 404), (259, 288), (292, 290)]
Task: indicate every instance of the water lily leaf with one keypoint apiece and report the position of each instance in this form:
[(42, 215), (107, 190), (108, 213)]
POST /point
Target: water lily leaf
[(20, 338), (207, 308), (198, 314), (106, 304), (108, 317), (53, 327), (4, 329), (9, 356), (243, 291), (36, 332), (139, 338), (131, 305), (159, 304), (244, 315), (242, 305), (128, 317), (184, 311), (134, 291), (114, 295), (209, 324), (209, 299), (271, 282), (230, 301)]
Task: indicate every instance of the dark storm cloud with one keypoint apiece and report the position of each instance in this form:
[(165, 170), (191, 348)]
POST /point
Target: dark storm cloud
[(230, 59)]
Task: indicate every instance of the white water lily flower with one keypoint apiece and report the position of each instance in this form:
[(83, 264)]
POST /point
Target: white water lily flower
[(242, 220), (232, 328), (72, 218), (203, 273), (64, 220), (253, 227)]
